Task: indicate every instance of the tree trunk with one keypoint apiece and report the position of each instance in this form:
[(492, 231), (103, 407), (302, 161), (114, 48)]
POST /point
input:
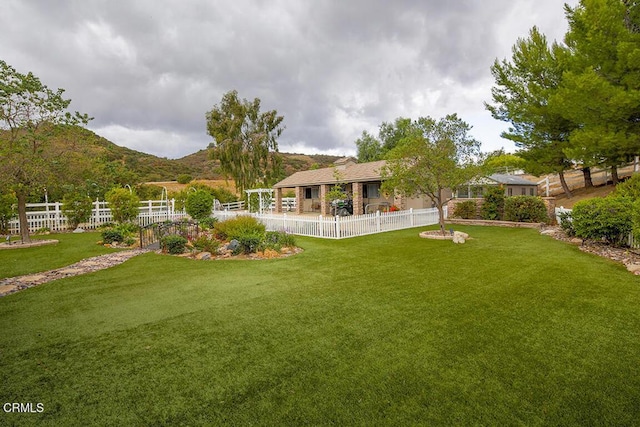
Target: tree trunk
[(614, 175), (565, 187), (22, 217), (440, 212), (588, 182)]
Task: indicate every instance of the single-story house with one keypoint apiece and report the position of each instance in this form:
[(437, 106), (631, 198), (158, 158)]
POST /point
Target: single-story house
[(361, 181), (513, 186)]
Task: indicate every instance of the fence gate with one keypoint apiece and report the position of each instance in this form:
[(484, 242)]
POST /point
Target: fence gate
[(150, 235)]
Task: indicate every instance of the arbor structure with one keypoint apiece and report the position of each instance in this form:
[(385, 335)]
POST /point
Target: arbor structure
[(29, 113), (433, 156), (245, 140)]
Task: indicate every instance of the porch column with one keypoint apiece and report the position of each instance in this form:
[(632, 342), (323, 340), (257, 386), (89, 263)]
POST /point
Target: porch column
[(356, 189), (299, 199), (399, 201), (278, 200), (325, 208)]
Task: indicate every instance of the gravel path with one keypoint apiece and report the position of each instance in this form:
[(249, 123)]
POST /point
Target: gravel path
[(18, 283)]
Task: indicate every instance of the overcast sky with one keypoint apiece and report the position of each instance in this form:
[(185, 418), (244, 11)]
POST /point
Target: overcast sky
[(149, 70)]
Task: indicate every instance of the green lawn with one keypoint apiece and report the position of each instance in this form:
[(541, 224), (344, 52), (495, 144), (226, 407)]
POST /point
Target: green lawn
[(511, 328), (70, 249)]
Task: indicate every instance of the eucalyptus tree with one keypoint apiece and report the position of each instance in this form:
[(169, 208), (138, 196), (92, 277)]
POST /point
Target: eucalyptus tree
[(29, 115), (245, 140)]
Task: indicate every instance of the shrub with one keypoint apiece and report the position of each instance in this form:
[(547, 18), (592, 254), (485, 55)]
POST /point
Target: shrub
[(123, 204), (208, 222), (493, 204), (236, 227), (465, 210), (207, 244), (223, 195), (77, 208), (630, 188), (525, 209), (112, 235), (173, 244), (198, 204), (8, 202), (249, 242), (608, 218), (278, 240), (184, 178), (566, 223)]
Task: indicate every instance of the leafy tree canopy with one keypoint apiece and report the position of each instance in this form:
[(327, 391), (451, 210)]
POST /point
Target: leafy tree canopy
[(245, 140), (433, 156)]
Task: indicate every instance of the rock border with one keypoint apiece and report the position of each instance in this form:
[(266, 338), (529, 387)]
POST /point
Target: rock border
[(34, 243)]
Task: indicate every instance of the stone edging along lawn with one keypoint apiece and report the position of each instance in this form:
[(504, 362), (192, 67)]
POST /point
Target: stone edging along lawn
[(492, 223)]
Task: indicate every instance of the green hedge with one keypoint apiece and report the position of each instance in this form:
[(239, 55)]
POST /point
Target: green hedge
[(465, 210), (525, 209), (609, 219)]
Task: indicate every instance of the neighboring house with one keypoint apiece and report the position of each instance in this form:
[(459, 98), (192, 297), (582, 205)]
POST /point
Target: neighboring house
[(361, 181), (513, 186)]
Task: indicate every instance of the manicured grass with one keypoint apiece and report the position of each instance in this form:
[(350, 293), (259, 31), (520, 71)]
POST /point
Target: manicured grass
[(71, 248), (511, 328)]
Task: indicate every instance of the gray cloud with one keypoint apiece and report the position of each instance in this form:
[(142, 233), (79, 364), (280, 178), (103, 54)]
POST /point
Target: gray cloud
[(148, 71)]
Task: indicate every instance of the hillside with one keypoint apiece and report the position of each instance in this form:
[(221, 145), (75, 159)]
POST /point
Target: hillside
[(134, 166)]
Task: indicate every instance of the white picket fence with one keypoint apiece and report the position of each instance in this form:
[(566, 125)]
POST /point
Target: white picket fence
[(50, 215), (330, 227)]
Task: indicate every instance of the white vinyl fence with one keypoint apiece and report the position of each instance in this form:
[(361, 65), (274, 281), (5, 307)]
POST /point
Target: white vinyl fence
[(338, 227), (50, 215)]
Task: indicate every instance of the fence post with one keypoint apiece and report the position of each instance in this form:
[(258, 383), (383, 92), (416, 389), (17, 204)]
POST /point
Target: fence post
[(337, 226), (411, 219), (378, 226)]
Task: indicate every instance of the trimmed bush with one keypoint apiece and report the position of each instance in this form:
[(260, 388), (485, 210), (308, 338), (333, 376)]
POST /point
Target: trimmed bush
[(239, 226), (77, 208), (199, 204), (465, 210), (173, 244), (525, 209), (609, 219), (630, 188), (249, 242), (112, 235), (124, 205), (493, 204)]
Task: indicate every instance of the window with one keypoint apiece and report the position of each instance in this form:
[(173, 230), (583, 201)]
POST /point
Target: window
[(510, 191), (311, 193), (524, 191), (531, 191), (371, 191)]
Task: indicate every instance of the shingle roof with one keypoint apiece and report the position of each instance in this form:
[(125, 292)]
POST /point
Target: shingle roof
[(510, 180), (359, 172)]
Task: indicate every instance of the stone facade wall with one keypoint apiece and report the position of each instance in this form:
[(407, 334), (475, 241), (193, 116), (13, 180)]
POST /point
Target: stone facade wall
[(357, 194)]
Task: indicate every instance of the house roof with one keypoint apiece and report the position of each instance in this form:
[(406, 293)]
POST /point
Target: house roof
[(351, 172), (511, 180)]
